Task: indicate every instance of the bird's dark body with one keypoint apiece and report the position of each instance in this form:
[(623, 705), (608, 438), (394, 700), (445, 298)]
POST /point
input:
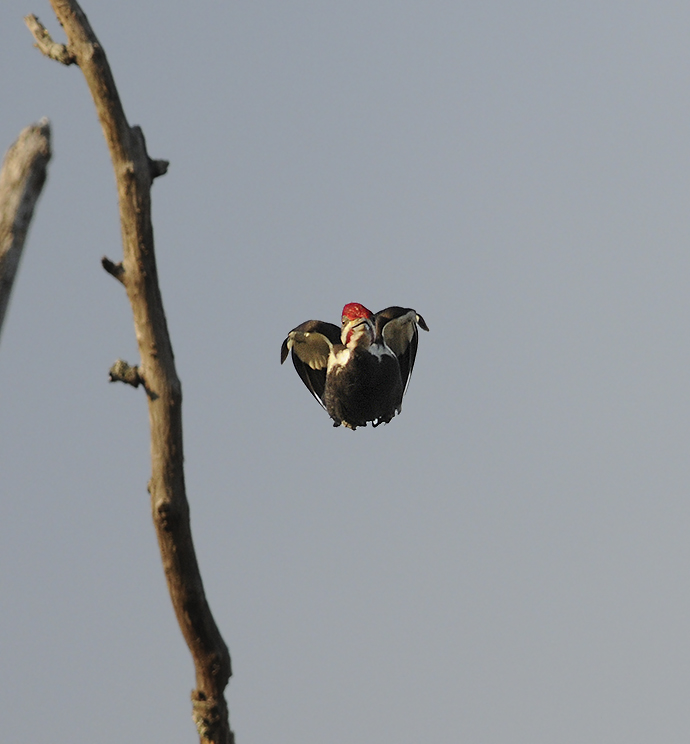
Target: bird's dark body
[(368, 388)]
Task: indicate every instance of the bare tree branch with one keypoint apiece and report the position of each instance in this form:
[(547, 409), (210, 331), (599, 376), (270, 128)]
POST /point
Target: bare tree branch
[(21, 181), (134, 172)]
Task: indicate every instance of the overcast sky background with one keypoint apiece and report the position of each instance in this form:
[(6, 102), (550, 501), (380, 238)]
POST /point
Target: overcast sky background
[(508, 561)]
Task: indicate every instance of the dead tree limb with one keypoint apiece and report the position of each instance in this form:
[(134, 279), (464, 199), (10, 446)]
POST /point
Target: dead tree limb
[(21, 181), (134, 173)]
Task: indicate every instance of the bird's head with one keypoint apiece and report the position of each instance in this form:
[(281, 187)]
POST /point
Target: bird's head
[(357, 325)]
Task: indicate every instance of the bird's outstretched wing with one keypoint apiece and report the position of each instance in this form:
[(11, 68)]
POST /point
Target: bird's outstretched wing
[(400, 334), (311, 344)]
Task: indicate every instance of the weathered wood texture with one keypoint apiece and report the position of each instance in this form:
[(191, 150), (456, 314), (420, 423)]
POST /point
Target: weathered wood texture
[(134, 172), (21, 181)]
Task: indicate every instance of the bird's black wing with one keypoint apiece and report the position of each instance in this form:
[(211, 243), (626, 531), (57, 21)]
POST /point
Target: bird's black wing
[(400, 334), (311, 344)]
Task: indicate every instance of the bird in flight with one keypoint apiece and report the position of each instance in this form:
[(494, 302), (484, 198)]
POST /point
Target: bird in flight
[(360, 371)]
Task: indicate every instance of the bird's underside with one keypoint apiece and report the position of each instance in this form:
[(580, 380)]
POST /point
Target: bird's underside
[(360, 371)]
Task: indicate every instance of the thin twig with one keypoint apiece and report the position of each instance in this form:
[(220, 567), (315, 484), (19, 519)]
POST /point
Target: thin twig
[(114, 269), (121, 371), (45, 43)]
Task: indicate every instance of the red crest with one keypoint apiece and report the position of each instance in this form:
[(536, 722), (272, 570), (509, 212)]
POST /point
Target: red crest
[(355, 311)]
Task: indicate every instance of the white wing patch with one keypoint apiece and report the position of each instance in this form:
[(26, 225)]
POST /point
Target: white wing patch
[(399, 332), (312, 348), (380, 351)]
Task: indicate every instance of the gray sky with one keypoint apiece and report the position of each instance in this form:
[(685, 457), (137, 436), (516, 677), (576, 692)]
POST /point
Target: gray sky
[(508, 561)]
